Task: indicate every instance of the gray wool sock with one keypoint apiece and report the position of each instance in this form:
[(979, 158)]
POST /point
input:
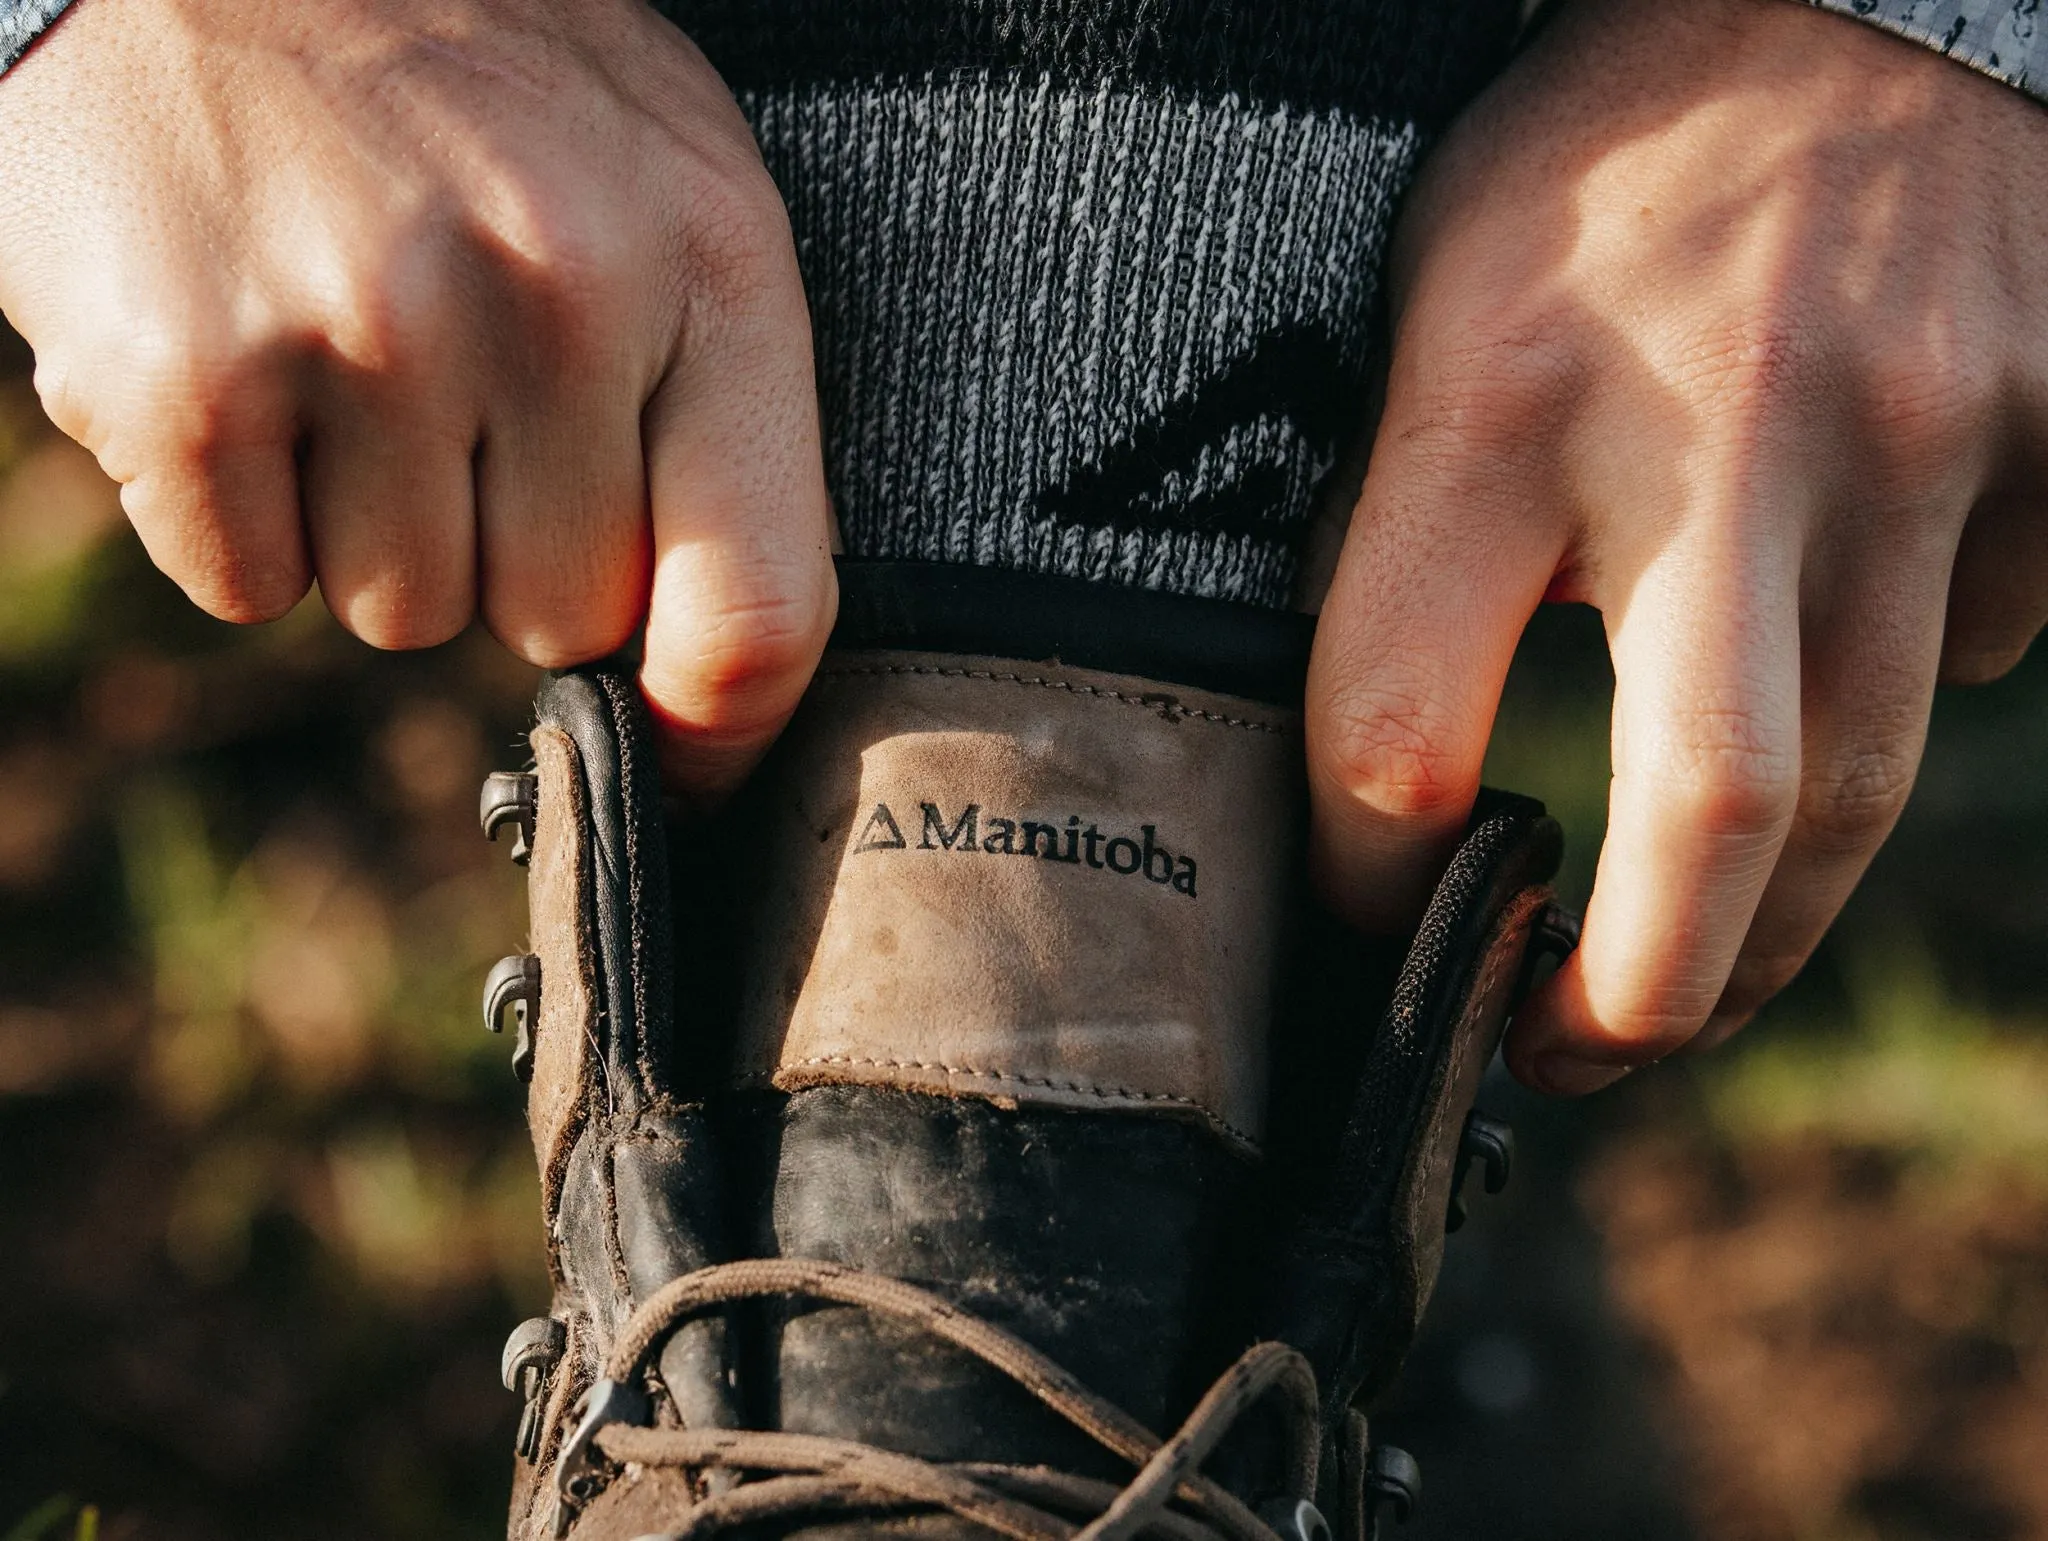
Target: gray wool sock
[(1094, 281)]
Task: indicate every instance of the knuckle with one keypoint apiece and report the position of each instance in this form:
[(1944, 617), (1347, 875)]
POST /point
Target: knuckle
[(576, 262), (563, 645), (563, 591), (377, 332), (257, 607), (763, 639), (542, 222), (244, 563), (194, 410), (1737, 802), (67, 397), (391, 313), (403, 611), (150, 380), (398, 627), (182, 400), (575, 252), (1928, 403), (577, 270), (1734, 782), (529, 240), (1389, 748), (737, 236), (743, 660), (233, 586), (165, 359), (567, 650), (1854, 807)]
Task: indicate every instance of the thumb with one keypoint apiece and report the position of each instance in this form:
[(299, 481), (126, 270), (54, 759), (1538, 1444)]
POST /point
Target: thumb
[(744, 594)]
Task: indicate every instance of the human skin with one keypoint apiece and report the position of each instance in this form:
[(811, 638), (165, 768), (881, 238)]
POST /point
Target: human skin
[(1730, 319), (460, 307), (1725, 317)]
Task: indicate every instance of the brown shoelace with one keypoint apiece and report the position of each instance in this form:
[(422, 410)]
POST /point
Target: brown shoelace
[(795, 1475)]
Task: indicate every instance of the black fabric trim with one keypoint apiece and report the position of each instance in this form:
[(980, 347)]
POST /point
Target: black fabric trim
[(1404, 60), (942, 607)]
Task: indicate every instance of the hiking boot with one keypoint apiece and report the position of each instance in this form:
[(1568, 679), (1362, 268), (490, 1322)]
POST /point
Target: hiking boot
[(979, 1098)]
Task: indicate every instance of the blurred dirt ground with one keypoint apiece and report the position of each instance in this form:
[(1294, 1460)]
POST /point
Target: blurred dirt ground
[(266, 1211)]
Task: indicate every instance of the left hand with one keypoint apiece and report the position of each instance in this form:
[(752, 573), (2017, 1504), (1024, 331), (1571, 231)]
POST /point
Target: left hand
[(1731, 320)]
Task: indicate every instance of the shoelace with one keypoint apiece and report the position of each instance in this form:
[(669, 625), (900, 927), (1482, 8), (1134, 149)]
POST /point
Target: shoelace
[(796, 1475)]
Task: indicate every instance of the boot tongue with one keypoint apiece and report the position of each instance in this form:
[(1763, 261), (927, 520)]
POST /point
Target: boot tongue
[(1038, 886), (1006, 1002)]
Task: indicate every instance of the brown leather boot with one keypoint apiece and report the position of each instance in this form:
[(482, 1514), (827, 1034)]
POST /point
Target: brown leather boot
[(974, 1129)]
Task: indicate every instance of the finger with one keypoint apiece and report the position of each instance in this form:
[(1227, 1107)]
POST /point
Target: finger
[(1867, 689), (204, 454), (1998, 594), (1706, 767), (389, 502), (563, 523), (743, 593), (1447, 557)]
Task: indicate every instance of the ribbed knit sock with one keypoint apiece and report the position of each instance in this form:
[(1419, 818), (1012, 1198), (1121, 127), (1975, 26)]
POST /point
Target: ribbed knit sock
[(1094, 281)]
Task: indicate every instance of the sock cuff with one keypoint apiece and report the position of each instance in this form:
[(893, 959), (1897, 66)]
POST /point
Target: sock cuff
[(1094, 283)]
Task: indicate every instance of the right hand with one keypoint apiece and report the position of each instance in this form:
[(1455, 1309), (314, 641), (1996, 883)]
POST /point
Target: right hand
[(458, 307)]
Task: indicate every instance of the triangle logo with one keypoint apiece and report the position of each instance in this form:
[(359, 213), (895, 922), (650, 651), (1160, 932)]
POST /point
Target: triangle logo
[(880, 833)]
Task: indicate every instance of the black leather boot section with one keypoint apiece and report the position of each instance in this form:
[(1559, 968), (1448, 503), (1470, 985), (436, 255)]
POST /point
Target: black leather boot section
[(1101, 1239), (645, 1198)]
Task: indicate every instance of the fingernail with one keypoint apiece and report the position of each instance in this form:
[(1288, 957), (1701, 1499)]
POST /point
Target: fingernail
[(1566, 1075)]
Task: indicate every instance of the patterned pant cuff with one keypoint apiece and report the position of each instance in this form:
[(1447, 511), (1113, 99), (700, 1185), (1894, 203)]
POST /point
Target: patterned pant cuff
[(2005, 39), (21, 23)]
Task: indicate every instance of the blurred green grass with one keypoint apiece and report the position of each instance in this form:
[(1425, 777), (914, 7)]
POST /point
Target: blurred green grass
[(43, 1522), (1952, 1084)]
